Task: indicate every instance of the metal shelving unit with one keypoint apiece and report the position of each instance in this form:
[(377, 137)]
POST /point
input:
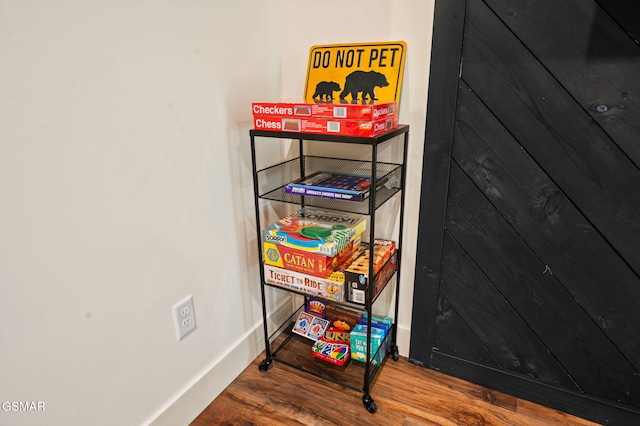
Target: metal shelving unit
[(282, 345)]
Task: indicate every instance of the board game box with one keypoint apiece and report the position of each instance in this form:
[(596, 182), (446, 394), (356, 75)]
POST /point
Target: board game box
[(331, 288), (356, 274), (315, 230), (357, 128), (343, 186), (303, 261), (378, 349), (366, 111)]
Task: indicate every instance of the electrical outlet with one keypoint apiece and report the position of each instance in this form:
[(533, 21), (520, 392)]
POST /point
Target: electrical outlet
[(184, 316)]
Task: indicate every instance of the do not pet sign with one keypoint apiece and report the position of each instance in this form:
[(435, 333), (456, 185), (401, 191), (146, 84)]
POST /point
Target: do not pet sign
[(355, 73)]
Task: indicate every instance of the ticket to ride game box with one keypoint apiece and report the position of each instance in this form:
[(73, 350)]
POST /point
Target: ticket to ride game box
[(315, 230), (330, 288), (303, 261), (367, 112)]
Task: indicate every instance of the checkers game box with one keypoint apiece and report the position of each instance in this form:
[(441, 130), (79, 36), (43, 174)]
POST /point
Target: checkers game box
[(356, 128), (366, 112)]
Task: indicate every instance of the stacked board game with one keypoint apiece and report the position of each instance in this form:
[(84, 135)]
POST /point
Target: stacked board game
[(325, 110), (357, 128), (349, 282)]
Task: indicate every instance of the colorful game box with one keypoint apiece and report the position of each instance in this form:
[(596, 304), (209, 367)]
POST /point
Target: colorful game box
[(348, 111), (335, 352), (303, 261), (342, 186), (356, 274), (357, 128), (331, 288), (315, 231), (358, 339)]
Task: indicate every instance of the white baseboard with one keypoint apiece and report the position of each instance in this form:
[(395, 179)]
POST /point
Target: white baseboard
[(204, 388), (403, 340), (195, 397)]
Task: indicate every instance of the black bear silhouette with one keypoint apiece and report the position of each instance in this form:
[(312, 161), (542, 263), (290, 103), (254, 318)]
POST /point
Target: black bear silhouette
[(324, 90), (363, 82)]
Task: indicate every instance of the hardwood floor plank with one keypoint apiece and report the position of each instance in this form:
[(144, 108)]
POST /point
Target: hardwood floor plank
[(405, 394)]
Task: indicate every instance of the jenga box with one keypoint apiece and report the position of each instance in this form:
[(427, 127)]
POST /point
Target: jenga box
[(303, 261), (315, 230), (348, 111), (357, 128), (356, 274)]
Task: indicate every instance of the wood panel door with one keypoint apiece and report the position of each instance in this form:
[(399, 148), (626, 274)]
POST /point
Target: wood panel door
[(528, 265)]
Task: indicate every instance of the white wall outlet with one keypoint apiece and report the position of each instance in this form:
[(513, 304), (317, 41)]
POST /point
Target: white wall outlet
[(184, 317)]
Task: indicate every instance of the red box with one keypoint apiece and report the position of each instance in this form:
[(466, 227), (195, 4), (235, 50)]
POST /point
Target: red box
[(325, 110), (306, 262), (358, 128)]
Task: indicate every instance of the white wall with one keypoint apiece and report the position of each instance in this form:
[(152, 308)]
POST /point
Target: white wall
[(125, 185)]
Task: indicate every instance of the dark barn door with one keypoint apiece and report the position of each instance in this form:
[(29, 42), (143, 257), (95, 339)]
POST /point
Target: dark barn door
[(528, 266)]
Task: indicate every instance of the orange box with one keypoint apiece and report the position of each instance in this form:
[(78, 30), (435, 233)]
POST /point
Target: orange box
[(356, 274)]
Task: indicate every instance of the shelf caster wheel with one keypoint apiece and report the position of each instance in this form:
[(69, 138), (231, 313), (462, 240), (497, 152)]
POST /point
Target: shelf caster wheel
[(369, 404), (395, 354), (264, 365)]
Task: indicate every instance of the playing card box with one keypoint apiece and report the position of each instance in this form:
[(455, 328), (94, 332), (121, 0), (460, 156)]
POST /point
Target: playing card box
[(333, 351), (310, 326)]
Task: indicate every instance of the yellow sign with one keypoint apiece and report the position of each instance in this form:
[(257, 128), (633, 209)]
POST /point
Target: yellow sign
[(355, 73)]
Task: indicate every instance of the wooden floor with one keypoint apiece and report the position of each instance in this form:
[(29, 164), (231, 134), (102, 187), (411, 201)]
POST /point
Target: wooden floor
[(405, 394)]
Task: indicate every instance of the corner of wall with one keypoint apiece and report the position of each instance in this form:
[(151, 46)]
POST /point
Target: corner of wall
[(196, 395)]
